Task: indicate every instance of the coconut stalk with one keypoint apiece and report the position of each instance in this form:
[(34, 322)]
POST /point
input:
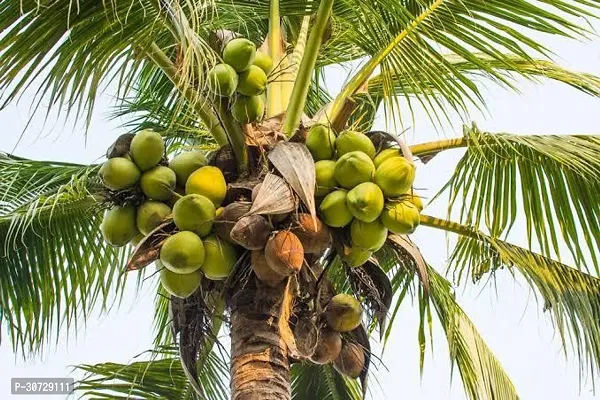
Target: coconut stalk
[(275, 104), (432, 148), (235, 137), (307, 66)]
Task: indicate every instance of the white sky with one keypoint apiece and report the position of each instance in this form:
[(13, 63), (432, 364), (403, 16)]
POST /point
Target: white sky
[(508, 319)]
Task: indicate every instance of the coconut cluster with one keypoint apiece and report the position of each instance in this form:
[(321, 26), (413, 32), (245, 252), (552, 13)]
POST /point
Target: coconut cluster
[(242, 77), (364, 192), (185, 189)]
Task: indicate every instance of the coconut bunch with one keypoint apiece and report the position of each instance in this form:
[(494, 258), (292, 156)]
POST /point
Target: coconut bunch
[(242, 78), (362, 192)]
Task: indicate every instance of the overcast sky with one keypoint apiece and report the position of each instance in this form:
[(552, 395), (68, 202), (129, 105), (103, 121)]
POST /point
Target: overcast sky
[(508, 318)]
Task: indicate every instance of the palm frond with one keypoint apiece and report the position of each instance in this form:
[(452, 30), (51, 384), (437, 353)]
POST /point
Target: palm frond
[(311, 381)]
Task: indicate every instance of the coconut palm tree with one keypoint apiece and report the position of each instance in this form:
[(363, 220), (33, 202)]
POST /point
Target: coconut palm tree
[(55, 266)]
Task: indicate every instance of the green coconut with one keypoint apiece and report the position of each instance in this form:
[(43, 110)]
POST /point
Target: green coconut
[(252, 82), (264, 62), (386, 154), (320, 141), (150, 214), (118, 226), (349, 141), (334, 210), (343, 313), (395, 176), (158, 183), (147, 149), (220, 258), (223, 80), (137, 239), (324, 177), (368, 235), (179, 285), (185, 163), (240, 54), (355, 256), (350, 361), (119, 173), (246, 109), (353, 168), (365, 202), (209, 182), (183, 252), (194, 212), (401, 217)]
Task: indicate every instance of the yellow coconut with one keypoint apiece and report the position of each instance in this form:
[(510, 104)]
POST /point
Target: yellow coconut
[(328, 347), (147, 149), (158, 183), (353, 168), (252, 82), (320, 141), (223, 80), (355, 256), (263, 271), (334, 210), (386, 154), (343, 313), (314, 240), (247, 110), (220, 258), (325, 180), (263, 61), (401, 217), (119, 173), (239, 53), (350, 361), (416, 200), (365, 202), (284, 253), (118, 226), (395, 176), (208, 181), (150, 214), (183, 252), (185, 163), (194, 212), (179, 285), (368, 235), (349, 141)]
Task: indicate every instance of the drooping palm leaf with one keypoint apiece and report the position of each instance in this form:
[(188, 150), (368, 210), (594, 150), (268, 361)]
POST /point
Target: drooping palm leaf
[(322, 382)]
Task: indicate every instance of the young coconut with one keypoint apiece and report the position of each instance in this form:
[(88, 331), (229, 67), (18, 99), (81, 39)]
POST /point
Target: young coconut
[(368, 235), (147, 149), (328, 347), (178, 285), (252, 82), (150, 214), (119, 173), (365, 202), (343, 313), (355, 256), (185, 163), (284, 253), (395, 176), (349, 141), (137, 239), (251, 232), (324, 177), (118, 226), (320, 141), (194, 212), (263, 271), (350, 361), (182, 253), (314, 241), (223, 80), (158, 183), (385, 154), (239, 53), (264, 62), (353, 168), (401, 217), (247, 110), (228, 217), (416, 200), (334, 209), (219, 260), (209, 182)]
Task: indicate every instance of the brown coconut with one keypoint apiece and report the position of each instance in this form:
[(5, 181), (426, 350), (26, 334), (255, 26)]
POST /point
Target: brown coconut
[(350, 361), (284, 253), (226, 220), (306, 335), (262, 270), (328, 347), (251, 232), (314, 241)]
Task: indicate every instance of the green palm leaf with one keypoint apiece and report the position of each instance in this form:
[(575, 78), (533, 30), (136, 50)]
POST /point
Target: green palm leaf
[(311, 381)]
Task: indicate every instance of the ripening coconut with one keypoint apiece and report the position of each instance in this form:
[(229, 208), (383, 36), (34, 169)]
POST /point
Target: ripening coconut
[(251, 232), (147, 149), (263, 271), (343, 313), (252, 81), (324, 177), (355, 256), (328, 347), (178, 285), (395, 176), (209, 182), (247, 110), (223, 80), (385, 154), (220, 258), (349, 141), (368, 235), (183, 252), (119, 173), (353, 168), (228, 217), (314, 240), (365, 201), (158, 183), (239, 53), (401, 217), (118, 226), (350, 361), (150, 214), (416, 200), (284, 253), (264, 62), (194, 212), (185, 163), (334, 210), (320, 141)]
